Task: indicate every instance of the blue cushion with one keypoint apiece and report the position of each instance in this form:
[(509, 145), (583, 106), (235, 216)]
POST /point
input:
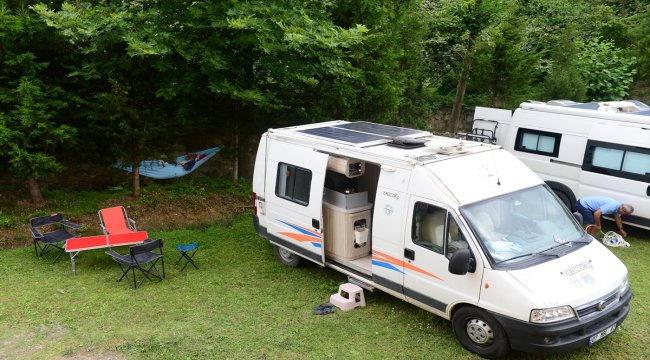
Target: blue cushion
[(186, 248)]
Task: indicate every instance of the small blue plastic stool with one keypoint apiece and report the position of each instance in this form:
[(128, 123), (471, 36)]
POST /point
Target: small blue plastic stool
[(187, 253)]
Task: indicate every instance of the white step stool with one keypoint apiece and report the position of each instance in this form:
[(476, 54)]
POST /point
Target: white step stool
[(348, 297)]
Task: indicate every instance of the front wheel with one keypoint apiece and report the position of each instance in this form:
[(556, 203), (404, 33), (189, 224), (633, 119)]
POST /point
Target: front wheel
[(286, 257), (480, 333)]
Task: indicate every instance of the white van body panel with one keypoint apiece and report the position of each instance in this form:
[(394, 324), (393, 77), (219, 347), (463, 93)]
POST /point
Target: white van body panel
[(574, 279), (290, 221), (482, 176), (575, 126)]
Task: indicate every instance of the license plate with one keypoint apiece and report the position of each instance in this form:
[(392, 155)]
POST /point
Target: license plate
[(601, 334)]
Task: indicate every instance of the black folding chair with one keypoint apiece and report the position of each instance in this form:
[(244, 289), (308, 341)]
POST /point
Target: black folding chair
[(187, 252), (50, 233), (142, 258)]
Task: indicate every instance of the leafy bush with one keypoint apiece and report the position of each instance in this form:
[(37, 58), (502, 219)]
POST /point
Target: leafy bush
[(5, 221), (607, 72)]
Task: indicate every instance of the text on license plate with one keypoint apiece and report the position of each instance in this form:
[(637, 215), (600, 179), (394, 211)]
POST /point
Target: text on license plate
[(602, 334)]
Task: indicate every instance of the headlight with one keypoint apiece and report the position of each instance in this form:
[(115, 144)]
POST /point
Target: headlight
[(624, 286), (543, 316)]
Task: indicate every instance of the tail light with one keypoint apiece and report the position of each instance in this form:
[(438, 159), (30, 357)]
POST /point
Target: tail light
[(254, 204)]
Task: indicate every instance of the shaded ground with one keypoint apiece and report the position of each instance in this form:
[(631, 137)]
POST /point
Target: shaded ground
[(156, 210)]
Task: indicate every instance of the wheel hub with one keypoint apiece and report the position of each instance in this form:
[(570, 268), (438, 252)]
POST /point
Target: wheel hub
[(286, 254), (480, 332)]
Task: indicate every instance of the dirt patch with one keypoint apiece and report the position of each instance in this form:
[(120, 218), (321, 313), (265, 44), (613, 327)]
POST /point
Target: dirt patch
[(90, 355), (152, 212), (27, 344)]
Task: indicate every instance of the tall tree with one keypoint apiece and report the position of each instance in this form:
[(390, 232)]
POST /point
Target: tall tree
[(506, 65), (563, 79), (456, 30), (32, 132)]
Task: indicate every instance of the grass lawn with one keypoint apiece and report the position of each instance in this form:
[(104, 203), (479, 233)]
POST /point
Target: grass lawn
[(240, 304)]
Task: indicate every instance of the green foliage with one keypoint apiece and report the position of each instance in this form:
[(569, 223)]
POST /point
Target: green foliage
[(6, 221), (641, 35), (563, 79), (606, 70), (28, 133), (506, 66)]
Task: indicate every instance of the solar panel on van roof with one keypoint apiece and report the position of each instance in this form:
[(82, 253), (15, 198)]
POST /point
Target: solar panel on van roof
[(362, 133), (344, 135), (381, 129)]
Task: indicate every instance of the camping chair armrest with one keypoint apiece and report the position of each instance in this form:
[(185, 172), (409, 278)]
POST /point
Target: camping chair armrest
[(113, 253), (35, 233), (132, 224), (70, 225)]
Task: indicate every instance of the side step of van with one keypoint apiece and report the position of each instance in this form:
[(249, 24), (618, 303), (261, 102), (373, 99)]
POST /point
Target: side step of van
[(360, 284)]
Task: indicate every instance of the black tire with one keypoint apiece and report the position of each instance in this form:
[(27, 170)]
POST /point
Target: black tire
[(480, 333), (287, 258)]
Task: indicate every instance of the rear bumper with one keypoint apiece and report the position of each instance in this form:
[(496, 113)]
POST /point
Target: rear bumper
[(261, 231), (563, 336)]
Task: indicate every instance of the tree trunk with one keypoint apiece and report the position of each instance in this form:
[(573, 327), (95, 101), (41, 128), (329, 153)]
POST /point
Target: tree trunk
[(35, 192), (136, 180), (461, 87), (464, 73), (235, 166)]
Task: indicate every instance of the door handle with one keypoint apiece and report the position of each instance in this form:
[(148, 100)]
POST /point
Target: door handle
[(315, 224), (409, 254)]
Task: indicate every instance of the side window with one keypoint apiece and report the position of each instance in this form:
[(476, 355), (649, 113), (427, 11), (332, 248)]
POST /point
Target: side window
[(618, 160), (455, 239), (433, 226), (538, 142), (293, 183), (429, 226)]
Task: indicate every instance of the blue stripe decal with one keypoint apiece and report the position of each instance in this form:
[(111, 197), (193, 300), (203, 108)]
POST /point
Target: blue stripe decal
[(301, 230), (316, 244), (386, 265)]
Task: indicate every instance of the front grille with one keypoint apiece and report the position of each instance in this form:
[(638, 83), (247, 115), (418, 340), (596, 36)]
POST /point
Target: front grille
[(593, 307)]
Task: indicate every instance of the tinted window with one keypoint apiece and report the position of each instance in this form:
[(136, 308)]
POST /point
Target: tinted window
[(629, 162), (538, 142), (293, 183)]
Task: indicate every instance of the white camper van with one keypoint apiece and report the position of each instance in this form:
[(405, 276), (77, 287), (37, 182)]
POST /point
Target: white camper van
[(462, 229), (579, 149)]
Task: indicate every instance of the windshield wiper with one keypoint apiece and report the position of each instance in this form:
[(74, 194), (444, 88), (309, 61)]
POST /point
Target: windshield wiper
[(529, 254)]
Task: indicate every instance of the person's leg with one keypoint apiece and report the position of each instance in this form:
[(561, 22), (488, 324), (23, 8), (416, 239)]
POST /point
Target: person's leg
[(587, 218)]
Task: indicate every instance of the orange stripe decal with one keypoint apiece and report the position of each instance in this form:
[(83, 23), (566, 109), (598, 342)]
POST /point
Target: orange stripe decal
[(379, 256)]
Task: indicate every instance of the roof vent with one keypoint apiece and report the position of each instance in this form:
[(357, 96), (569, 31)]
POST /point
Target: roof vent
[(618, 107), (407, 142), (561, 102)]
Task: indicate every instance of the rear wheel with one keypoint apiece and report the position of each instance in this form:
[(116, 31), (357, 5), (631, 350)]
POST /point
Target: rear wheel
[(480, 333), (287, 257)]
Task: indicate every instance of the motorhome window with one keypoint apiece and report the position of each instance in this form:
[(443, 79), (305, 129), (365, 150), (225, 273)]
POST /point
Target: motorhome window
[(429, 226), (538, 142), (524, 226), (624, 161), (455, 238), (293, 183)]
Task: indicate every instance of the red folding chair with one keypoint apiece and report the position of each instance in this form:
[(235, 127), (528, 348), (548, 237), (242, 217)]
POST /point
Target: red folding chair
[(115, 221)]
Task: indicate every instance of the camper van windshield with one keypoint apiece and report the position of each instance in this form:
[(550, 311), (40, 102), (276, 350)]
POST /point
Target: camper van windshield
[(526, 225)]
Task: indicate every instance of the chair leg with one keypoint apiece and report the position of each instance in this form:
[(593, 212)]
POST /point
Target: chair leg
[(188, 259)]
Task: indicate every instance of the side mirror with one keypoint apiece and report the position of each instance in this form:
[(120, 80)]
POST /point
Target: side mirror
[(461, 262), (578, 217)]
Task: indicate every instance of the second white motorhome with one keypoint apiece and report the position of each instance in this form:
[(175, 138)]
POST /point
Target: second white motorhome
[(459, 228), (579, 149)]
